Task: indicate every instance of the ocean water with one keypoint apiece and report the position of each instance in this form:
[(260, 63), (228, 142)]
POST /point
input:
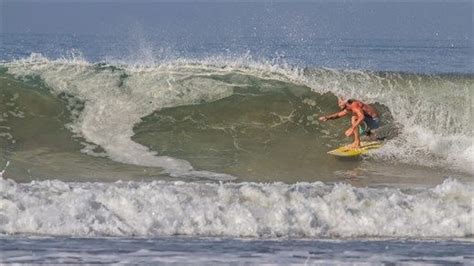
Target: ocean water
[(142, 147), (198, 250)]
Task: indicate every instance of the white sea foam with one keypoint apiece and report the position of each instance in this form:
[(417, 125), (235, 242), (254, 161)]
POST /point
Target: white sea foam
[(236, 210)]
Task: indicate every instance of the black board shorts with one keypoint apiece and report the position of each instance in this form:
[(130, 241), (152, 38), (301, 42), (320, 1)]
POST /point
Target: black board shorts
[(369, 123)]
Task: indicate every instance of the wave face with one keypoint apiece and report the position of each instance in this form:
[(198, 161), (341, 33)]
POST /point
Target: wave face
[(236, 210), (246, 111)]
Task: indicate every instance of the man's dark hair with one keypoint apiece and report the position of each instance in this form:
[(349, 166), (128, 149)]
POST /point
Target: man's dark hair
[(350, 101)]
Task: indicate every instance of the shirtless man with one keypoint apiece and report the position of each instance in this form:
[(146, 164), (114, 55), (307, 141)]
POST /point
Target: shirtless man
[(364, 116)]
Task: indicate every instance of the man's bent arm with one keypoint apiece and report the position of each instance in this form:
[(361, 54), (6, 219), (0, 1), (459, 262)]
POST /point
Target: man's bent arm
[(360, 117)]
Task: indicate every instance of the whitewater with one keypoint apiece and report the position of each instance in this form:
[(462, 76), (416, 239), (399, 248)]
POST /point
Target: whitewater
[(278, 210)]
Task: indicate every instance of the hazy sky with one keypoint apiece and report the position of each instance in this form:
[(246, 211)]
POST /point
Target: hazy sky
[(356, 19)]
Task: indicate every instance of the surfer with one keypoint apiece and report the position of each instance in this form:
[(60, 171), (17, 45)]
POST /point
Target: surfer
[(364, 117)]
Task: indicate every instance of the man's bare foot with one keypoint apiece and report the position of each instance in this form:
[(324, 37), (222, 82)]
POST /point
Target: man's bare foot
[(354, 146)]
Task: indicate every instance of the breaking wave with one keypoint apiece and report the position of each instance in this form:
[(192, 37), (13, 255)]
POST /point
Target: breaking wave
[(234, 210), (108, 102)]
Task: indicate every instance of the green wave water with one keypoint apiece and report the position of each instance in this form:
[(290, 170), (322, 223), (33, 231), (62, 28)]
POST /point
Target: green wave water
[(224, 120)]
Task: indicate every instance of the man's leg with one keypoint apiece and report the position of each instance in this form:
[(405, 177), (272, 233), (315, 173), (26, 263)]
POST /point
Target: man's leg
[(356, 143)]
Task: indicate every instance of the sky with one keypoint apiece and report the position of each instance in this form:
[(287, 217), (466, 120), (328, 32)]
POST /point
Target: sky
[(236, 19)]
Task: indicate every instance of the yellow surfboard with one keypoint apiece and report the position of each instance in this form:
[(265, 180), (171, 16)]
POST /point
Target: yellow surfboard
[(365, 147)]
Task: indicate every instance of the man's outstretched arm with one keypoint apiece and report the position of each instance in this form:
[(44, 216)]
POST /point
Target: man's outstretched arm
[(334, 116)]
